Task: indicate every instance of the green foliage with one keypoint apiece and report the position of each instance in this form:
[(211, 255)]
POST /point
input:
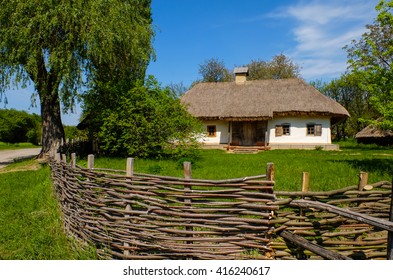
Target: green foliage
[(31, 227), (72, 132), (144, 121), (19, 126), (371, 59), (214, 70), (347, 91), (280, 67)]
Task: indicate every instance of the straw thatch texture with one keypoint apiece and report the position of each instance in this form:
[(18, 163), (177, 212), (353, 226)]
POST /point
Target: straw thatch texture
[(373, 134), (258, 100), (154, 217), (346, 236)]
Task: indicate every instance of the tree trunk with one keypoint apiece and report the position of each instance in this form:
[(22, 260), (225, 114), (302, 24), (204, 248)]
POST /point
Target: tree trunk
[(52, 127), (47, 85)]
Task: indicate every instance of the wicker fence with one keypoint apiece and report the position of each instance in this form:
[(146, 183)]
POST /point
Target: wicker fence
[(333, 231), (141, 216)]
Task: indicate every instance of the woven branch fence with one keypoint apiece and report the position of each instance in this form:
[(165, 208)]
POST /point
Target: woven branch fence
[(128, 215), (349, 237), (140, 216)]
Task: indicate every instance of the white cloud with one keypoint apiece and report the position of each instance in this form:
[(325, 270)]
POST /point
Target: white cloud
[(321, 29)]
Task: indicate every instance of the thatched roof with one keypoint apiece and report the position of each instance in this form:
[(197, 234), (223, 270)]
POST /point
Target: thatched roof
[(257, 100), (372, 131)]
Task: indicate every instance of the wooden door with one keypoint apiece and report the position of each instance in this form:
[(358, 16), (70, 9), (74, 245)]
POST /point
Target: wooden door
[(249, 134)]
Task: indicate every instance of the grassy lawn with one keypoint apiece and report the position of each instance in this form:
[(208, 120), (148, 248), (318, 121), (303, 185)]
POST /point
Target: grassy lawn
[(8, 146), (328, 169), (30, 225)]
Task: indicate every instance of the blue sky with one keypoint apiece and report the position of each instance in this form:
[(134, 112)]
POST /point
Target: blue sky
[(189, 32)]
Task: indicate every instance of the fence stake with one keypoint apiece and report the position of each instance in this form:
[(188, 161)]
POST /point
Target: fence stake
[(129, 173), (64, 158), (130, 167), (305, 181), (270, 171), (187, 175), (73, 160), (187, 188), (363, 179), (57, 157), (90, 161), (390, 234)]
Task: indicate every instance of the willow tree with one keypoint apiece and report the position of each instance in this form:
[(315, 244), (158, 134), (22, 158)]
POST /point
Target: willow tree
[(65, 47)]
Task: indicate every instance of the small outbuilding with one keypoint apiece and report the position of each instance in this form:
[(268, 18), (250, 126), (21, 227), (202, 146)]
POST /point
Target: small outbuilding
[(274, 114), (374, 135)]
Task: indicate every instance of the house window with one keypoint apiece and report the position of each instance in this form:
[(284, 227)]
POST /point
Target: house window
[(211, 131), (283, 129), (314, 129)]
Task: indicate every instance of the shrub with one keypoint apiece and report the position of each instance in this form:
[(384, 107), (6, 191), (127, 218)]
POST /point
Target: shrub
[(146, 121)]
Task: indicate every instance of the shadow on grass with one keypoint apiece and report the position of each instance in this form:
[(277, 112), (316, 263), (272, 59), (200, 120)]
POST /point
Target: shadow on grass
[(380, 166)]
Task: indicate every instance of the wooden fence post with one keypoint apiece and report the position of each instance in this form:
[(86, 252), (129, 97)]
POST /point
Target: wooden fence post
[(270, 171), (187, 189), (73, 160), (90, 162), (129, 173), (64, 158), (130, 167), (363, 179), (57, 157), (305, 181), (187, 175)]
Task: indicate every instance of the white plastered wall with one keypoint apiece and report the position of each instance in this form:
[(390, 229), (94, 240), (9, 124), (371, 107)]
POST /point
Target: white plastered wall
[(298, 130), (222, 134)]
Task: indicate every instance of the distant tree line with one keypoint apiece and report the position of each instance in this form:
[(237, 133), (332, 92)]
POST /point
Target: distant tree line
[(280, 67), (19, 126)]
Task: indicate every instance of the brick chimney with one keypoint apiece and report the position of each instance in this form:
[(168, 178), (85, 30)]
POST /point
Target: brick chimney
[(241, 74)]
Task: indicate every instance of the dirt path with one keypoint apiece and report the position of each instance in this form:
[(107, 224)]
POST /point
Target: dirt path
[(9, 156)]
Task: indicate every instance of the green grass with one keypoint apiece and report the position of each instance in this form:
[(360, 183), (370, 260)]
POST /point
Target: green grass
[(328, 169), (30, 225), (9, 146)]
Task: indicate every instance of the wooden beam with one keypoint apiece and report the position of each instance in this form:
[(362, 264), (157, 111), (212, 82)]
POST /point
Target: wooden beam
[(315, 248), (379, 223)]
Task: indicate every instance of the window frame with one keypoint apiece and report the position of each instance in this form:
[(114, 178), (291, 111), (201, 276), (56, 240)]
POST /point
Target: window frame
[(208, 131), (316, 129), (283, 129)]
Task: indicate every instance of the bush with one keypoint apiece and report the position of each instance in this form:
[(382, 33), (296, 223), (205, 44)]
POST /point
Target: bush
[(146, 121), (19, 126)]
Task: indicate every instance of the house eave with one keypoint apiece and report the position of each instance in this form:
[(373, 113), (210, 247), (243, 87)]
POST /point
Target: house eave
[(275, 115), (234, 119)]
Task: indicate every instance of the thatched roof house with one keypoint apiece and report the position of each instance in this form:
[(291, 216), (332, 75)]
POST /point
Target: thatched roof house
[(259, 100), (284, 112), (374, 135)]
